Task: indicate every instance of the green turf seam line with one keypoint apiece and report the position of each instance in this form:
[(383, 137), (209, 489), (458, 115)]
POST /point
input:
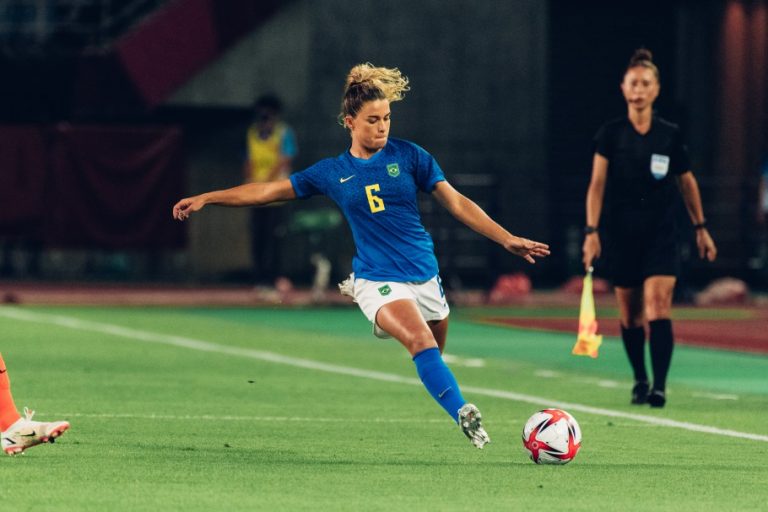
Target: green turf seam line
[(206, 346)]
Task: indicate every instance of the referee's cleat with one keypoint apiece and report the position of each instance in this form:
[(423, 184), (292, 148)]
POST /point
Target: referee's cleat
[(640, 393), (26, 433), (657, 398), (471, 424)]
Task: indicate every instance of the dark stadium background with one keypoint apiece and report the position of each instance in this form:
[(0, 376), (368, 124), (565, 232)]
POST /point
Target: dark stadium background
[(112, 110)]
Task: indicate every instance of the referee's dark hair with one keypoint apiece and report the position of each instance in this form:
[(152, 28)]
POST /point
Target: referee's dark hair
[(643, 58)]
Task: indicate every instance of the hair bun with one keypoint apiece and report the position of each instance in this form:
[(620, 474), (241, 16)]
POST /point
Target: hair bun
[(641, 54)]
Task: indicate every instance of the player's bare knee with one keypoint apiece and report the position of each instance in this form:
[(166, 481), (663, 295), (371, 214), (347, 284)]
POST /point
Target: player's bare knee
[(657, 307), (418, 341)]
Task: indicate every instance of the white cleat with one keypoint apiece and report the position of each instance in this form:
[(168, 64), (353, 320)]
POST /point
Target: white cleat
[(26, 433), (347, 286), (471, 424)]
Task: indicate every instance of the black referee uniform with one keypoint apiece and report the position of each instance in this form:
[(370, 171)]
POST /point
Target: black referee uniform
[(640, 199)]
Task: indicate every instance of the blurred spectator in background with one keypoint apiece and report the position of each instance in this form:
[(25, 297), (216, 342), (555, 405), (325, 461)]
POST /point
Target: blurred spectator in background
[(639, 159), (271, 148)]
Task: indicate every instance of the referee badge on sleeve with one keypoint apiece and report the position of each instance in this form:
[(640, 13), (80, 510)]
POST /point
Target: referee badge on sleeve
[(659, 166)]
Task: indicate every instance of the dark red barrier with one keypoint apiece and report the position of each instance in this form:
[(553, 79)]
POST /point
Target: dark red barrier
[(22, 181), (115, 186), (109, 187)]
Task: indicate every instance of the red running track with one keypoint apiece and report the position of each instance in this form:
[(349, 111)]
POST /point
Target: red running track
[(743, 335)]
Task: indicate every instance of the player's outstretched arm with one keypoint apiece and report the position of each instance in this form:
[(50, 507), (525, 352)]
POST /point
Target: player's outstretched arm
[(251, 194), (470, 214)]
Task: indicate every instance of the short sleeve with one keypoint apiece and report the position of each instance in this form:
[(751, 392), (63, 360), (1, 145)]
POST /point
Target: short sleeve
[(311, 181), (603, 142), (428, 171), (288, 145)]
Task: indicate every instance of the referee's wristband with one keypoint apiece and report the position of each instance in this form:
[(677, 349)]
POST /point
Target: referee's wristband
[(588, 230), (700, 225)]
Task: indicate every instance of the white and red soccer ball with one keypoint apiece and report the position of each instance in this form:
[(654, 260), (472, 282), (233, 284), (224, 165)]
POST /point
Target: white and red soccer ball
[(552, 436)]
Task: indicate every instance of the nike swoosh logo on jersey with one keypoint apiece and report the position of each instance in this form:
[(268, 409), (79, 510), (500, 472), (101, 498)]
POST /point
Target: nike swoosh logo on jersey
[(344, 180), (3, 370)]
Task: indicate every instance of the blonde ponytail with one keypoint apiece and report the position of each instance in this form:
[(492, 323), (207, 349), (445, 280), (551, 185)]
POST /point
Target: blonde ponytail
[(366, 82)]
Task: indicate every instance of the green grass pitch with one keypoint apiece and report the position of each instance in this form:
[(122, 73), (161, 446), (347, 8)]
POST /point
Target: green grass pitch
[(285, 409)]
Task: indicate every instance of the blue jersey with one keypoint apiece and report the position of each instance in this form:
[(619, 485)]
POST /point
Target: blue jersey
[(378, 198)]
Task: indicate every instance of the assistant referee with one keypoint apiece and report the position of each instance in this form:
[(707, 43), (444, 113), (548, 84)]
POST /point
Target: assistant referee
[(640, 162)]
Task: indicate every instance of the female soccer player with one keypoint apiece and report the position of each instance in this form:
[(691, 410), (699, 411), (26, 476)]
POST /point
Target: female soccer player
[(375, 184), (640, 158), (19, 433)]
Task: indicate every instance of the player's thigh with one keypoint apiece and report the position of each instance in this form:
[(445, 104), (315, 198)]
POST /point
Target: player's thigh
[(404, 322), (370, 296), (429, 296), (433, 305)]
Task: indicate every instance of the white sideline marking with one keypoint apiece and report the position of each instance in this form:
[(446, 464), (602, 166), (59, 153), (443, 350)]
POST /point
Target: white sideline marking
[(206, 346), (214, 417), (284, 419), (470, 362), (717, 396)]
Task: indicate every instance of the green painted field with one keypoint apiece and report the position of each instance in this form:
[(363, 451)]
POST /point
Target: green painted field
[(287, 409)]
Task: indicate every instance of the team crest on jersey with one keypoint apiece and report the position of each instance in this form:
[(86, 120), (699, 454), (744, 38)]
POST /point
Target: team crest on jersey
[(393, 170), (385, 290), (659, 166)]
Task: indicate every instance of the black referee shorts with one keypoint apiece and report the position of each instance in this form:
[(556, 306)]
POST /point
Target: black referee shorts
[(633, 255)]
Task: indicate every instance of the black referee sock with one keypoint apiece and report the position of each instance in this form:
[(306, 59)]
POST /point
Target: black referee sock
[(662, 342), (634, 344)]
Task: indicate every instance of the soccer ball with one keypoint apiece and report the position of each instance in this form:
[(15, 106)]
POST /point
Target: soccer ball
[(552, 436)]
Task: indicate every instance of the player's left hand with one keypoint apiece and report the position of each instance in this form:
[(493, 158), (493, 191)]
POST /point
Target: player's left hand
[(706, 245), (184, 208), (527, 249)]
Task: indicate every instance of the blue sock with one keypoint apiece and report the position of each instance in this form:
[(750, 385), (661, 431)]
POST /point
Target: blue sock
[(439, 381)]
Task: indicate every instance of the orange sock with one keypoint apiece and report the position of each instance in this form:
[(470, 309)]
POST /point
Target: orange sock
[(8, 412)]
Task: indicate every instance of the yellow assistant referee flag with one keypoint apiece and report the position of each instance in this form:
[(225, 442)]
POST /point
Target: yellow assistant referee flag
[(588, 340)]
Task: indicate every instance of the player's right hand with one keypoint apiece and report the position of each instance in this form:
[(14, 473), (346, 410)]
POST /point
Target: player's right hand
[(590, 250), (184, 208)]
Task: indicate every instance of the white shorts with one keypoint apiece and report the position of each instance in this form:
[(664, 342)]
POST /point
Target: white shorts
[(372, 295)]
